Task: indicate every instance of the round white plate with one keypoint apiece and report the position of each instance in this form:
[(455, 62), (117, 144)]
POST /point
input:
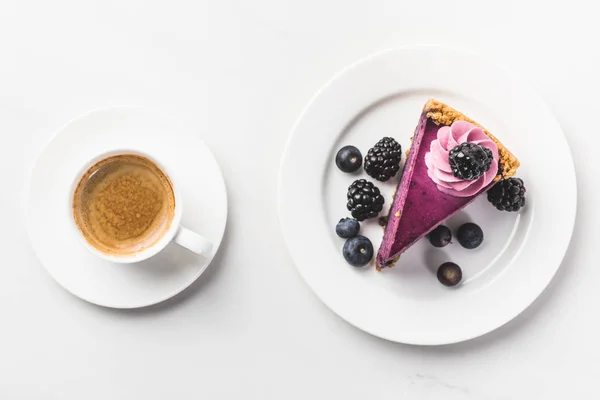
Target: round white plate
[(87, 276), (383, 95)]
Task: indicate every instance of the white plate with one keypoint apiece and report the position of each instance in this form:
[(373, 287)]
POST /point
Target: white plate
[(86, 275), (383, 96)]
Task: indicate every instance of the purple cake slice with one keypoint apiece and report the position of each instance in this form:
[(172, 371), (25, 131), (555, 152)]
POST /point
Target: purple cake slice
[(428, 193)]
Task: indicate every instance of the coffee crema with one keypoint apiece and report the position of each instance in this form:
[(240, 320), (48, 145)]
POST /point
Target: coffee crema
[(123, 204)]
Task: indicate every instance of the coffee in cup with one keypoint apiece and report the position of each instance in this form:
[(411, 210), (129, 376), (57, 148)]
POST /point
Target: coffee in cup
[(123, 204)]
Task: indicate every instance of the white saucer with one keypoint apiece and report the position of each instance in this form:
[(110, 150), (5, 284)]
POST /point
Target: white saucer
[(383, 95), (74, 267)]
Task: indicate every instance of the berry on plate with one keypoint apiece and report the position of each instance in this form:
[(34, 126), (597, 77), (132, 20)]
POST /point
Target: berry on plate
[(347, 228), (440, 236), (364, 200), (358, 251), (508, 195), (469, 235), (383, 160), (449, 274), (348, 159)]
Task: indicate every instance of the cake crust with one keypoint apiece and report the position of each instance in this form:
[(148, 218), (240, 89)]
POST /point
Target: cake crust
[(443, 114)]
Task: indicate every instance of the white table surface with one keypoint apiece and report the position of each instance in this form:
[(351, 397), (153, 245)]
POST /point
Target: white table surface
[(240, 72)]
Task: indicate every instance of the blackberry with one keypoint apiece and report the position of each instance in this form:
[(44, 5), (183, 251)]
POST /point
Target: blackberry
[(470, 161), (383, 160), (364, 200), (508, 195)]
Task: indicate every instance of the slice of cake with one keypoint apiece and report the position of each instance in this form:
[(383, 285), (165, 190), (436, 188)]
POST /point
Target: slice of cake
[(452, 160)]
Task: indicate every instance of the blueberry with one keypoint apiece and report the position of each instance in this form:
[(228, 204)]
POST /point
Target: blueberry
[(347, 228), (440, 236), (469, 235), (358, 251), (348, 159), (449, 274)]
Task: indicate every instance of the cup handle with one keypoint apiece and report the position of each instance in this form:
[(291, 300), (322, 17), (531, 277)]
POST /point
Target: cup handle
[(192, 241)]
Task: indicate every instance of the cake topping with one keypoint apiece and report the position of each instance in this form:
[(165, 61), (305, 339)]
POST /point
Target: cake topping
[(438, 159), (443, 114), (470, 161)]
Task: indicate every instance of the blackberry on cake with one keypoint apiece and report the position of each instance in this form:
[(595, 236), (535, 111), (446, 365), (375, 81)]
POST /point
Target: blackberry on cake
[(469, 161)]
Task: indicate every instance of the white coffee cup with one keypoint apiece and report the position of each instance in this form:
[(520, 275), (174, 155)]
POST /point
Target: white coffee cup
[(176, 232)]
